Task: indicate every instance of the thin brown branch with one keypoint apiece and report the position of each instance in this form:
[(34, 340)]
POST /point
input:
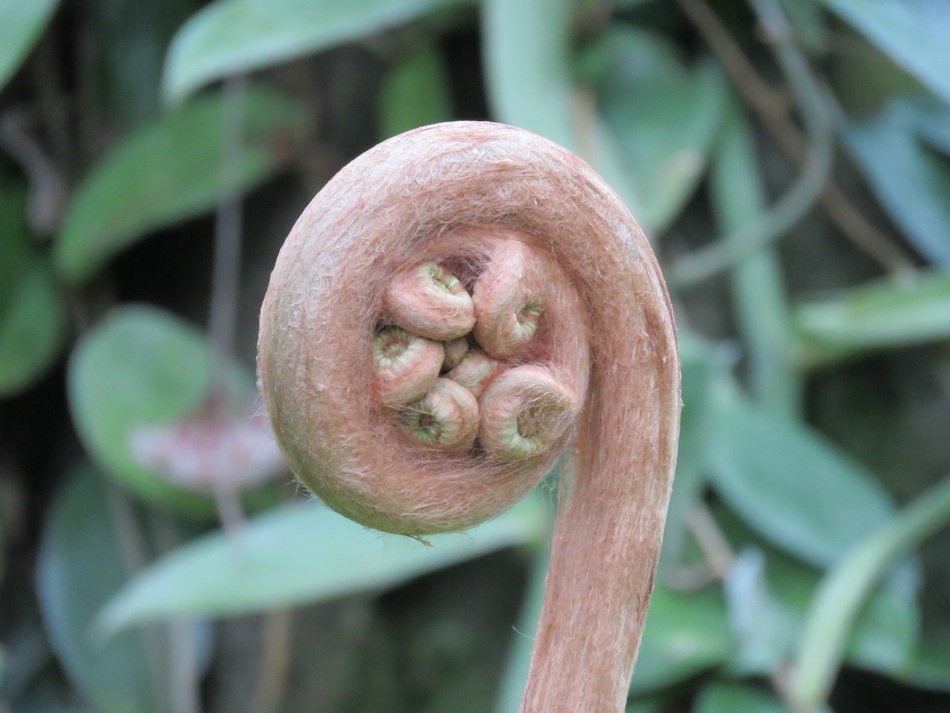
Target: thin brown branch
[(47, 197), (226, 270), (774, 114), (711, 540)]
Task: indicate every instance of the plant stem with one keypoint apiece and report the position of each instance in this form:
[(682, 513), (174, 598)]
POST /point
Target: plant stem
[(182, 646), (226, 275), (275, 659), (757, 282), (226, 270), (843, 591)]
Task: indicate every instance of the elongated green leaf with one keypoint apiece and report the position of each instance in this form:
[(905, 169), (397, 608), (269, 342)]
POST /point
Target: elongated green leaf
[(875, 317), (684, 634), (911, 180), (847, 586), (21, 24), (298, 553), (736, 698), (530, 82), (907, 31), (662, 117), (140, 366), (886, 629), (790, 484), (79, 568), (235, 36), (526, 49), (415, 93), (170, 170), (769, 595), (758, 296)]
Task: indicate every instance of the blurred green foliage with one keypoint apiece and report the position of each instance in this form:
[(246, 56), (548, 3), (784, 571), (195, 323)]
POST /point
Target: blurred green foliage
[(804, 567)]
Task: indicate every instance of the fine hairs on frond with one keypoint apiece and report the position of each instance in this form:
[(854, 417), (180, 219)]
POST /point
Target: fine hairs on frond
[(598, 335)]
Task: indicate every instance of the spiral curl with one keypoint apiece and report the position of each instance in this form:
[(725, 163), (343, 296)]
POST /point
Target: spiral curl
[(583, 323)]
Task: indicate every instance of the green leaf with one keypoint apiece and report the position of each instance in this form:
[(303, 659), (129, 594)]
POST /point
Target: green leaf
[(761, 625), (528, 63), (22, 25), (415, 92), (167, 171), (791, 485), (299, 553), (847, 586), (909, 32), (526, 49), (79, 568), (684, 634), (886, 629), (233, 37), (768, 600), (757, 284), (32, 314), (910, 179), (139, 366), (662, 117), (736, 698), (876, 316)]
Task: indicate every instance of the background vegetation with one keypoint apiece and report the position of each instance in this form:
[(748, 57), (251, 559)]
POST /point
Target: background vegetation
[(789, 159)]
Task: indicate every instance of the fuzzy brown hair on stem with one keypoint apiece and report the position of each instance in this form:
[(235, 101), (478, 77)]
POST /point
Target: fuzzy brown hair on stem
[(589, 366)]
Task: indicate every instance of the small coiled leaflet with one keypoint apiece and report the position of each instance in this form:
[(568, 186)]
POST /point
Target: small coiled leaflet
[(406, 365)]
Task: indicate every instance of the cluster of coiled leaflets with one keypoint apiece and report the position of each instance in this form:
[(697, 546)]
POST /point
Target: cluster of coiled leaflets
[(450, 363)]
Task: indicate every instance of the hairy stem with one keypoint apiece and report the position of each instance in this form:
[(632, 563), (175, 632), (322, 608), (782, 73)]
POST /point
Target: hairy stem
[(586, 334)]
